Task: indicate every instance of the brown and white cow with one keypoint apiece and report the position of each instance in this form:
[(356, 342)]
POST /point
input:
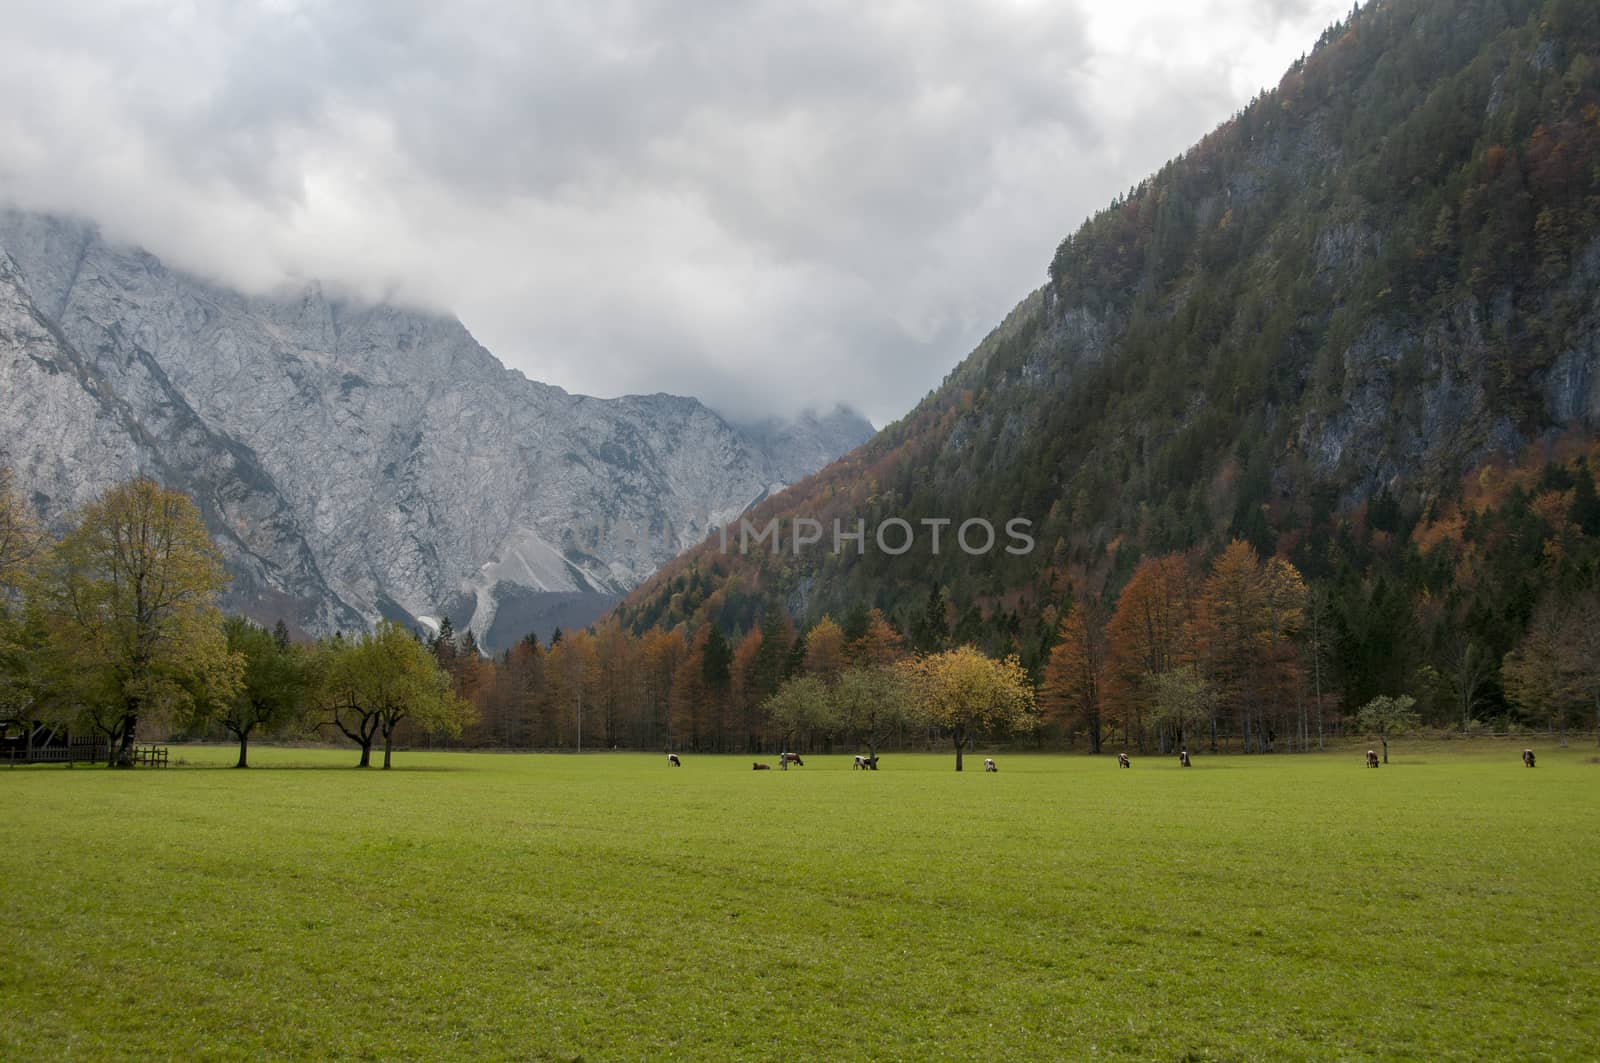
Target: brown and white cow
[(1183, 757), (1527, 757), (988, 764), (672, 758), (1123, 761), (792, 758), (1372, 758), (762, 767)]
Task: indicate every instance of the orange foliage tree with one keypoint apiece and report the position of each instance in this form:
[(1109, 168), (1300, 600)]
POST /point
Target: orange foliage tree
[(1147, 636), (1074, 677)]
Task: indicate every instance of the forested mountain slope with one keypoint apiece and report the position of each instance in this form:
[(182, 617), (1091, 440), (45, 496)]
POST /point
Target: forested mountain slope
[(1313, 332)]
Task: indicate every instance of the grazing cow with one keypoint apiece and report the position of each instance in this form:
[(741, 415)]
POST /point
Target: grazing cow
[(1527, 757), (672, 758), (1372, 758), (792, 758), (988, 764), (860, 762), (1183, 757), (1123, 761), (762, 767)]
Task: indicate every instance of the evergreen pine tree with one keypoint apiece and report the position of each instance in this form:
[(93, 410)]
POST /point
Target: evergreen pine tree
[(1585, 506), (930, 632), (716, 667)]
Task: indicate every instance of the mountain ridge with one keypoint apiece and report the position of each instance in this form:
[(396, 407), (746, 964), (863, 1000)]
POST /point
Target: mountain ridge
[(1378, 276), (365, 461)]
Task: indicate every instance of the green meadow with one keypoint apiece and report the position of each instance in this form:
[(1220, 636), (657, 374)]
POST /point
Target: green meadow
[(610, 907)]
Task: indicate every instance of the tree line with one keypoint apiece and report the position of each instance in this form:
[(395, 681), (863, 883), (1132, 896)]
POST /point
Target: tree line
[(115, 625), (114, 628)]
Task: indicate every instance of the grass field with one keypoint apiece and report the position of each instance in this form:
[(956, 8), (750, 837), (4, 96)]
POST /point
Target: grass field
[(610, 907)]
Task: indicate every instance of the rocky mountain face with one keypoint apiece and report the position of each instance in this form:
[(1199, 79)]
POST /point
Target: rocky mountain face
[(357, 462), (1379, 276)]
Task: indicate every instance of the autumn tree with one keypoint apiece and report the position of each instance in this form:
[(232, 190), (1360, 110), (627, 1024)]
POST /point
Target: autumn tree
[(870, 703), (699, 687), (130, 594), (1182, 700), (1227, 631), (272, 685), (619, 682), (1074, 677), (804, 703), (878, 645), (21, 543), (961, 692), (573, 673), (1385, 716), (406, 685), (373, 684), (1147, 636), (21, 540), (336, 694), (662, 652), (1555, 669), (521, 681), (825, 656), (1245, 621)]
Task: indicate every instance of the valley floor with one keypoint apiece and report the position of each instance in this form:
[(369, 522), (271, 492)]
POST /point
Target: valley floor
[(610, 907)]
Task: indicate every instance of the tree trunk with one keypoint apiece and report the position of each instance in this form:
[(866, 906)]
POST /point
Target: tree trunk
[(1385, 742), (960, 740), (388, 747), (366, 754), (244, 746), (130, 724), (1094, 735)]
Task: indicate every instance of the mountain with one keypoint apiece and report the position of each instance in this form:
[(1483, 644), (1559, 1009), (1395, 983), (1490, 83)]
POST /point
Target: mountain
[(1376, 279), (358, 461)]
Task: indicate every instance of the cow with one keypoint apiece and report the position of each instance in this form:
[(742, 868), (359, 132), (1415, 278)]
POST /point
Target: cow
[(1372, 758), (762, 767), (792, 758), (1123, 761), (672, 758), (1527, 757), (988, 764), (1183, 757), (859, 763)]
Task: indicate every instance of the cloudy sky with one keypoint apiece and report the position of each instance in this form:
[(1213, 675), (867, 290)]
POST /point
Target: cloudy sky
[(768, 205)]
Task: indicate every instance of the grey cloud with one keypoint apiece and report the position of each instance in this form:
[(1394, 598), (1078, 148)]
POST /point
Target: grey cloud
[(767, 205)]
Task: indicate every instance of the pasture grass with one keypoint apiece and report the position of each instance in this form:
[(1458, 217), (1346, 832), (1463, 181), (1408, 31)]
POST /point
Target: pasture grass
[(610, 907)]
